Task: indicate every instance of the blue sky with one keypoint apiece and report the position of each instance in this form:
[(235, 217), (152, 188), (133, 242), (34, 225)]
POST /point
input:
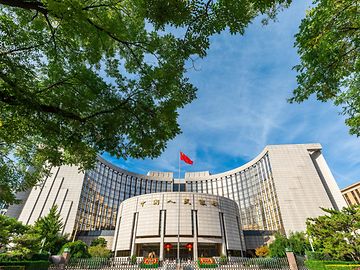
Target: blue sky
[(241, 107)]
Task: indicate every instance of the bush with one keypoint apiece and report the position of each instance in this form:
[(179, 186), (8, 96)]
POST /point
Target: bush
[(78, 249), (262, 251), (99, 251)]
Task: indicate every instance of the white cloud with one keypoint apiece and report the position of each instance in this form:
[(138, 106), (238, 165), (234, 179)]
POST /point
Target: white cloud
[(241, 107)]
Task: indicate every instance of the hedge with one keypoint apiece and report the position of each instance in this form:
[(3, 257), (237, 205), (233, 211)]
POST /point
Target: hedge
[(331, 265), (143, 265), (27, 265)]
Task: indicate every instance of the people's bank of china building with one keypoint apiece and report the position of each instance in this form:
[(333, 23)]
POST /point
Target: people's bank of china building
[(229, 213)]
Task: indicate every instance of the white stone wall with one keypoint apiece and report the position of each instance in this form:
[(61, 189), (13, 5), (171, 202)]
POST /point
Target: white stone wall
[(63, 188), (147, 230), (298, 185)]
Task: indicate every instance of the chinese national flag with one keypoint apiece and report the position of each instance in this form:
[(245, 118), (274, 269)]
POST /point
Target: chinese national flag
[(185, 158)]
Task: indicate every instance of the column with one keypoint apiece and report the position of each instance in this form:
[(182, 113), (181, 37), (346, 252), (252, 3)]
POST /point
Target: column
[(162, 234), (195, 244), (133, 245)]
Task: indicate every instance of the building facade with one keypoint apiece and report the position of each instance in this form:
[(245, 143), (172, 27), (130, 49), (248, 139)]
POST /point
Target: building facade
[(207, 225), (352, 194), (275, 192)]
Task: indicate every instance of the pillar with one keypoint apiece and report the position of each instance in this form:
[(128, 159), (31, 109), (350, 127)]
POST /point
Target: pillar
[(195, 244), (292, 260), (162, 235), (133, 245)]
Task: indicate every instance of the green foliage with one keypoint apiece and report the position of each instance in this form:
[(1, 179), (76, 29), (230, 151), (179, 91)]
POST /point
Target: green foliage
[(27, 242), (99, 251), (328, 43), (9, 229), (100, 241), (133, 259), (28, 265), (206, 265), (337, 233), (25, 246), (79, 78), (78, 249), (331, 265), (316, 256), (277, 248), (49, 230), (266, 263), (223, 259), (143, 265), (18, 241), (297, 242)]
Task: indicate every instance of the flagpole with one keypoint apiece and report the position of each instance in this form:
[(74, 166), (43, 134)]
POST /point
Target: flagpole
[(178, 236)]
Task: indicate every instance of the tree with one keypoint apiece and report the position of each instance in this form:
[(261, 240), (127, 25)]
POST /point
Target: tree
[(337, 233), (328, 43), (78, 78), (100, 241), (49, 230), (262, 251), (78, 249)]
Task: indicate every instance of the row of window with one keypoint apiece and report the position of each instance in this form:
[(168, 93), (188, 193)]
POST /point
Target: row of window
[(253, 189)]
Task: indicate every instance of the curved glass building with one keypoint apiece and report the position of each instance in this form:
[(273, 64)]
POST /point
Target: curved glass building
[(274, 192)]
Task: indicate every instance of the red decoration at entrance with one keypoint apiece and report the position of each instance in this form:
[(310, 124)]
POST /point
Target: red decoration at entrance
[(168, 246), (189, 246)]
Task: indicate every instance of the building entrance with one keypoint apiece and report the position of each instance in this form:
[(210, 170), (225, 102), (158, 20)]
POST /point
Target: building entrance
[(170, 251), (144, 250)]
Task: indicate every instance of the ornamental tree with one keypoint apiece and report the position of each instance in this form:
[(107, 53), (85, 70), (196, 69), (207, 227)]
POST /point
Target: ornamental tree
[(80, 77), (337, 234), (49, 230), (328, 43)]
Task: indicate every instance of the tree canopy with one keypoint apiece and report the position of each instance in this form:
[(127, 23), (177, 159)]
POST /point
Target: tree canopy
[(337, 234), (80, 77), (328, 43)]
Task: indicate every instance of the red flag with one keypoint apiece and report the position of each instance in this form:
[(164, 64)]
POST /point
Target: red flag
[(185, 158)]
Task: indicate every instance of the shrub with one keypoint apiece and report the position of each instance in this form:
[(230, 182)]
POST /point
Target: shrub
[(133, 259), (99, 251), (78, 249), (262, 251), (223, 259)]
